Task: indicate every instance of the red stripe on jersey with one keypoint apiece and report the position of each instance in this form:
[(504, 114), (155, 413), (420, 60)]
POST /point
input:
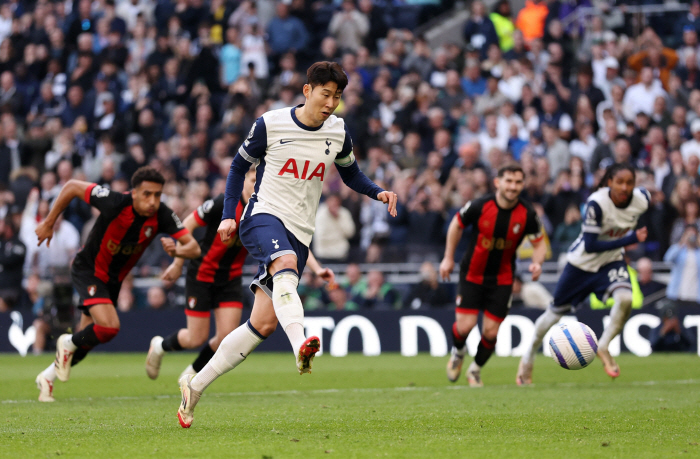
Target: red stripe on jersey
[(516, 231), (237, 265), (148, 231), (111, 241), (459, 220), (467, 311), (231, 304), (88, 190), (536, 240), (198, 219), (484, 242), (210, 261), (197, 313), (180, 233), (94, 301)]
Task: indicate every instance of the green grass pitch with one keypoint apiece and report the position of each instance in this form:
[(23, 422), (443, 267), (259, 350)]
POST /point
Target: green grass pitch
[(355, 407)]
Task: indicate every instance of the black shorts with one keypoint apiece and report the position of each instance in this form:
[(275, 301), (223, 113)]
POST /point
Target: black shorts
[(93, 291), (494, 300), (202, 297)]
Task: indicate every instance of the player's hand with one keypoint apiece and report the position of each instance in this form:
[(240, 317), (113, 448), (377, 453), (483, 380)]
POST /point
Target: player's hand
[(172, 273), (642, 234), (446, 267), (327, 275), (44, 232), (389, 197), (168, 246), (226, 227), (535, 269)]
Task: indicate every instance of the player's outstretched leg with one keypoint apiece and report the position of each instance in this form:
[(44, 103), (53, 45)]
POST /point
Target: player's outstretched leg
[(231, 352), (44, 382), (621, 310), (459, 350), (542, 325)]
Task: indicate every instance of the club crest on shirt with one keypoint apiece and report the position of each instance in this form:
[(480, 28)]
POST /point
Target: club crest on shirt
[(92, 289), (148, 231), (328, 144), (100, 192), (192, 302), (516, 228)]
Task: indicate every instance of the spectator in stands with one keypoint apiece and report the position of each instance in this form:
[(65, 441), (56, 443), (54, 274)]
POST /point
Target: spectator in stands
[(428, 293), (12, 255), (285, 33), (684, 284), (375, 293), (349, 26), (502, 20), (339, 301), (567, 231), (640, 97), (531, 19), (479, 31), (334, 228), (645, 277), (670, 336)]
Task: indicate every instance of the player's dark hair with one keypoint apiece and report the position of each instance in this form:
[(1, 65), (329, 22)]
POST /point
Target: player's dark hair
[(612, 170), (512, 167), (146, 174), (322, 72)]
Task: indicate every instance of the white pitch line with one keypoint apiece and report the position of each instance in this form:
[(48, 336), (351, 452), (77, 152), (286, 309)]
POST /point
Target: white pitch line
[(362, 390)]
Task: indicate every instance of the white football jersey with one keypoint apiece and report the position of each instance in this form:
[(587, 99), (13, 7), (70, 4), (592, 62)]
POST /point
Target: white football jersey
[(291, 162), (610, 223)]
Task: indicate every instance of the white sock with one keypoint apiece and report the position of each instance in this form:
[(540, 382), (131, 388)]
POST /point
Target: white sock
[(232, 351), (158, 346), (460, 351), (49, 373), (288, 307), (618, 316), (542, 326), (68, 343), (474, 367)]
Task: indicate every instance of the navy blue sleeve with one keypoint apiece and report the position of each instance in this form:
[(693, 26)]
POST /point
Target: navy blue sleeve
[(593, 245), (593, 218), (345, 157), (250, 152), (357, 181)]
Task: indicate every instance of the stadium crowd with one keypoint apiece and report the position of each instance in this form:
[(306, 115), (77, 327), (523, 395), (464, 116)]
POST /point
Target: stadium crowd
[(95, 89)]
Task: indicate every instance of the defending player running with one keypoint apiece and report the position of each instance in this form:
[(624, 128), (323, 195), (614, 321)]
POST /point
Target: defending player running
[(127, 224), (499, 223), (595, 263), (292, 148), (213, 284)]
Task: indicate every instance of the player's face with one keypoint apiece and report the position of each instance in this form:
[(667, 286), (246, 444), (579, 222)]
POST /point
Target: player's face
[(321, 101), (510, 185), (147, 198), (621, 187)]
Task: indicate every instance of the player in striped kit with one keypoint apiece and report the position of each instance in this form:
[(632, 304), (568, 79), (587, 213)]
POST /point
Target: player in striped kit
[(213, 284), (127, 223), (595, 263), (292, 148)]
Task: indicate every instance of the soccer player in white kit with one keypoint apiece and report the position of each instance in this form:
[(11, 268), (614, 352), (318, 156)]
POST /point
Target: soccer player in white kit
[(595, 263), (291, 148)]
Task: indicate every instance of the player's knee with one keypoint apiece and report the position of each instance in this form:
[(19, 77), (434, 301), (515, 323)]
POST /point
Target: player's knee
[(265, 328), (284, 262), (623, 296), (104, 333), (490, 333)]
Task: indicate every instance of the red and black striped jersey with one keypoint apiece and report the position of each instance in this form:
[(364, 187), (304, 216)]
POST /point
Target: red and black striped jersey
[(220, 262), (496, 235), (120, 235)]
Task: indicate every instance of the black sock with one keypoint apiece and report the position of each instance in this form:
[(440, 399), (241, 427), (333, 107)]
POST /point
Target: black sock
[(171, 343), (204, 356), (85, 338), (457, 339), (79, 355), (484, 351)]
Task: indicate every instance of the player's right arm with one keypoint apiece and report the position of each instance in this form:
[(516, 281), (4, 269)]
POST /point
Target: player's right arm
[(72, 189), (466, 216), (250, 152), (174, 271)]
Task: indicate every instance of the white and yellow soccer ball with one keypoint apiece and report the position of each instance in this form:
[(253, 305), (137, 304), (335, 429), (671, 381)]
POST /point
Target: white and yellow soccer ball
[(573, 345)]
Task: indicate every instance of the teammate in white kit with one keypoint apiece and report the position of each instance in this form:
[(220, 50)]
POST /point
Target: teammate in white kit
[(291, 148), (595, 263)]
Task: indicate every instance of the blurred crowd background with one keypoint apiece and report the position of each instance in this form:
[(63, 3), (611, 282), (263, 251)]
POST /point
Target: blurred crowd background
[(95, 89)]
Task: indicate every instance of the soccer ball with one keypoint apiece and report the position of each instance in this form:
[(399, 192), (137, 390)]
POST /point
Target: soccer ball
[(573, 346)]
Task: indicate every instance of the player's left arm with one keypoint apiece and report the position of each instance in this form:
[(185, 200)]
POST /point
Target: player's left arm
[(187, 246), (174, 271), (357, 181), (326, 274)]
